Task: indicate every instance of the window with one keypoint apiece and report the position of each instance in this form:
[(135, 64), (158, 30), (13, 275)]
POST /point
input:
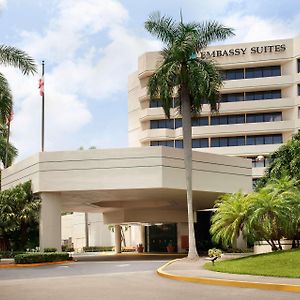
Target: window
[(233, 74), (228, 141), (298, 89), (178, 143), (166, 123), (264, 117), (168, 143), (234, 97), (178, 123), (230, 119), (202, 121), (263, 95), (298, 65), (155, 103), (200, 143), (259, 163), (262, 72), (264, 139)]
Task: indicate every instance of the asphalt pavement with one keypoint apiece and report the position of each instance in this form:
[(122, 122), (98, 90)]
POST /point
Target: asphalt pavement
[(113, 281)]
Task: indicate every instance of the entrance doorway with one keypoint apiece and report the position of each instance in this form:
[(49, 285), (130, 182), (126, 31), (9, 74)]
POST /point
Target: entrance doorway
[(158, 237)]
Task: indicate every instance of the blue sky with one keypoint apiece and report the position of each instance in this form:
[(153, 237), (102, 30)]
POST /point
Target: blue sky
[(90, 47)]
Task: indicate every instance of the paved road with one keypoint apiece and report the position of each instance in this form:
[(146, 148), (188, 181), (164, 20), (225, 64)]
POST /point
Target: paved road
[(114, 281)]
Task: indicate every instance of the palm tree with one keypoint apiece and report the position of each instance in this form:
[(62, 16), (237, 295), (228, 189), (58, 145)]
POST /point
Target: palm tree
[(229, 218), (11, 56), (284, 161), (192, 79)]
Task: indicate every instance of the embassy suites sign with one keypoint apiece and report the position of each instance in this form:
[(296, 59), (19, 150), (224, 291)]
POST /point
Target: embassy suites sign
[(243, 51)]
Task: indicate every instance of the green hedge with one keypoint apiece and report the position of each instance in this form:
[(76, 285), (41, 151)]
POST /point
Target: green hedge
[(39, 257), (50, 250), (98, 248), (10, 254)]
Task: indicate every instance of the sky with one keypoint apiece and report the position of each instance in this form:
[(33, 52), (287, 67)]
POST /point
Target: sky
[(91, 46)]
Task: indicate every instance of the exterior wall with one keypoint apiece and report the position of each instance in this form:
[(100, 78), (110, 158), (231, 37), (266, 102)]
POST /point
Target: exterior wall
[(285, 56)]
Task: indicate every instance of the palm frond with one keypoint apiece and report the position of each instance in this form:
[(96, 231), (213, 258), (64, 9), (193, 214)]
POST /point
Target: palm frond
[(11, 56), (6, 99), (162, 27)]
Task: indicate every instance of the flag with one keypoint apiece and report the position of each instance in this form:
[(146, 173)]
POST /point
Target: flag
[(41, 85), (9, 118)]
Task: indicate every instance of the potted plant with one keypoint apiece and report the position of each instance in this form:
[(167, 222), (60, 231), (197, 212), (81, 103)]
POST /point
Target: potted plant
[(140, 248), (170, 247)]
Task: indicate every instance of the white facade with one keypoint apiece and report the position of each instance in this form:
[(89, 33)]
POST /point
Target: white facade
[(259, 109)]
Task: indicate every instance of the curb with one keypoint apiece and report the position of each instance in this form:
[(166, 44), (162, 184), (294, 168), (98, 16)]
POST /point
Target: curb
[(226, 282), (11, 266)]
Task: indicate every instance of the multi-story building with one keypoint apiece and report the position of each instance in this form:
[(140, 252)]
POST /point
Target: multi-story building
[(259, 105)]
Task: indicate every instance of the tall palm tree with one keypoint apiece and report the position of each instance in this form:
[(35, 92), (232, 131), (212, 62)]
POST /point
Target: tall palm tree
[(11, 56), (192, 79)]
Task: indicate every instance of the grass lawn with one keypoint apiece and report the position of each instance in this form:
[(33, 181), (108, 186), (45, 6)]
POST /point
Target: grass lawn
[(281, 264)]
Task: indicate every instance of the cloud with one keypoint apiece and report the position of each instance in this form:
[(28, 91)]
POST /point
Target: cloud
[(250, 28), (2, 4), (89, 54)]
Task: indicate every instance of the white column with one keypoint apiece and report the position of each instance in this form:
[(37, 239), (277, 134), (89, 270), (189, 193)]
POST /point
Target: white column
[(50, 221), (118, 238)]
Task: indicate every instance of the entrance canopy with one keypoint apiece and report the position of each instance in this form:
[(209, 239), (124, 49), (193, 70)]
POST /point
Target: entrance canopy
[(145, 184)]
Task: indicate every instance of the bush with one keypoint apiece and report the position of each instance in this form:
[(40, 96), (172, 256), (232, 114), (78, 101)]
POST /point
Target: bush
[(10, 254), (65, 248), (47, 250), (39, 257), (0, 256), (214, 252), (98, 248)]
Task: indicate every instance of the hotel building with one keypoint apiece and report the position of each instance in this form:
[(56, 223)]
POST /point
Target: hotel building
[(259, 106)]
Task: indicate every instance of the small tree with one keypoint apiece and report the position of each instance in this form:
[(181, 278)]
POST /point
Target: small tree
[(19, 215)]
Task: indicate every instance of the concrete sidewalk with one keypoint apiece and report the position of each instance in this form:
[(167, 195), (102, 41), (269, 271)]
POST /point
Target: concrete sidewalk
[(184, 270)]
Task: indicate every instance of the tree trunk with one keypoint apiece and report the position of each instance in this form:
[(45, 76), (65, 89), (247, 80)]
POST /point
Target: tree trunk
[(279, 244), (86, 227), (187, 144)]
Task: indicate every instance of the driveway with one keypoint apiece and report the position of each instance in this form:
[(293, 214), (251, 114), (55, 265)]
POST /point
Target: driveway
[(114, 281)]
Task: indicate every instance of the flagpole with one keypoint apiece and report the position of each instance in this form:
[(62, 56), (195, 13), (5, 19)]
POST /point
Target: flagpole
[(43, 108)]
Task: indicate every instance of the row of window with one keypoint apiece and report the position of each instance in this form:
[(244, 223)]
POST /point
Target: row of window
[(249, 96), (218, 120), (248, 140), (224, 141), (236, 97), (258, 72)]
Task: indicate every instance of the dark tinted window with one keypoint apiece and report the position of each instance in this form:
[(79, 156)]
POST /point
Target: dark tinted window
[(202, 121), (178, 143), (264, 139), (233, 74), (262, 72), (178, 123), (298, 64), (154, 124), (155, 103), (200, 143), (228, 141), (264, 117), (169, 143), (260, 95), (231, 119), (234, 97)]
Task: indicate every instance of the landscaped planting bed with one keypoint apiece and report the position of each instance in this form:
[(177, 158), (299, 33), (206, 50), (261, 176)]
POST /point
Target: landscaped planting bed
[(280, 263), (39, 257)]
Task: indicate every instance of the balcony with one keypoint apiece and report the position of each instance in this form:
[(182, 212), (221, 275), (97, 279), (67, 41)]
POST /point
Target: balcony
[(252, 84)]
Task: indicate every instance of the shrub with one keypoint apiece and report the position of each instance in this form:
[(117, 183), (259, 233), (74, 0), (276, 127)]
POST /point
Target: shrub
[(39, 257), (10, 254), (47, 250), (98, 248), (65, 248), (0, 256), (214, 252)]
